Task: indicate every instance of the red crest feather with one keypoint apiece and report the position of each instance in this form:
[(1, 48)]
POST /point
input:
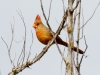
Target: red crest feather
[(37, 17)]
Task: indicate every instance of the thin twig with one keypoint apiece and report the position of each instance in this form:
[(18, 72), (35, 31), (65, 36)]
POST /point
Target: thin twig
[(5, 43), (75, 17), (78, 33), (60, 52), (62, 59), (77, 3), (24, 44), (44, 15), (9, 48), (49, 9), (76, 14), (84, 51), (12, 29), (83, 24), (18, 61), (63, 6), (30, 47), (91, 16), (18, 41)]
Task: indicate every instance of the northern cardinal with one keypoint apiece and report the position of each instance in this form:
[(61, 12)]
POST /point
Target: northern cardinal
[(44, 35)]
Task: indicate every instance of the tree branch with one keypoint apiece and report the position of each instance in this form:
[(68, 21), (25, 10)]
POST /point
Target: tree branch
[(51, 29), (19, 68)]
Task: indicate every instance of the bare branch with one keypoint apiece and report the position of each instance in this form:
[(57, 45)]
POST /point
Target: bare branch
[(51, 31), (19, 68), (24, 44), (61, 53), (5, 43), (76, 14), (62, 59), (91, 16), (78, 33), (9, 48), (44, 15), (77, 3), (12, 29), (19, 59), (63, 6), (84, 52), (83, 27), (30, 47), (49, 10)]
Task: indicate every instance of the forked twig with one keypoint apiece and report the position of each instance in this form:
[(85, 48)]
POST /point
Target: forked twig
[(77, 3), (84, 51), (24, 38), (9, 48)]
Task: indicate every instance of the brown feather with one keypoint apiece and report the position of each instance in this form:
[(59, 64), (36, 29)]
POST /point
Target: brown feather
[(44, 35)]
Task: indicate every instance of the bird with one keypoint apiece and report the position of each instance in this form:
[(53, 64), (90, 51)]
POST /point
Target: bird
[(44, 35)]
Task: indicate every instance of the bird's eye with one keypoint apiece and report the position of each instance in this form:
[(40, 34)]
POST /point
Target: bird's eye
[(37, 23)]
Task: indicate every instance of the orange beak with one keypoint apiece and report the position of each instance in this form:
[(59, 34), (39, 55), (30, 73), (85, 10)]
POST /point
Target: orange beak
[(34, 26)]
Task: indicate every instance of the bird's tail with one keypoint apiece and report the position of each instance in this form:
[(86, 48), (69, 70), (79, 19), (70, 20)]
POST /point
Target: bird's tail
[(74, 48)]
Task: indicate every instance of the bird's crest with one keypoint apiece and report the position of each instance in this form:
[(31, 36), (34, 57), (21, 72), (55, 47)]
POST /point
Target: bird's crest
[(37, 17)]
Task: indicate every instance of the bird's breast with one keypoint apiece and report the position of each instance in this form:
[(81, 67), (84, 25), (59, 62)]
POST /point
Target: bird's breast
[(43, 36)]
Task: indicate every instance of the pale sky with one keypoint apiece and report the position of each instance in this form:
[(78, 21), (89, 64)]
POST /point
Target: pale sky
[(50, 63)]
